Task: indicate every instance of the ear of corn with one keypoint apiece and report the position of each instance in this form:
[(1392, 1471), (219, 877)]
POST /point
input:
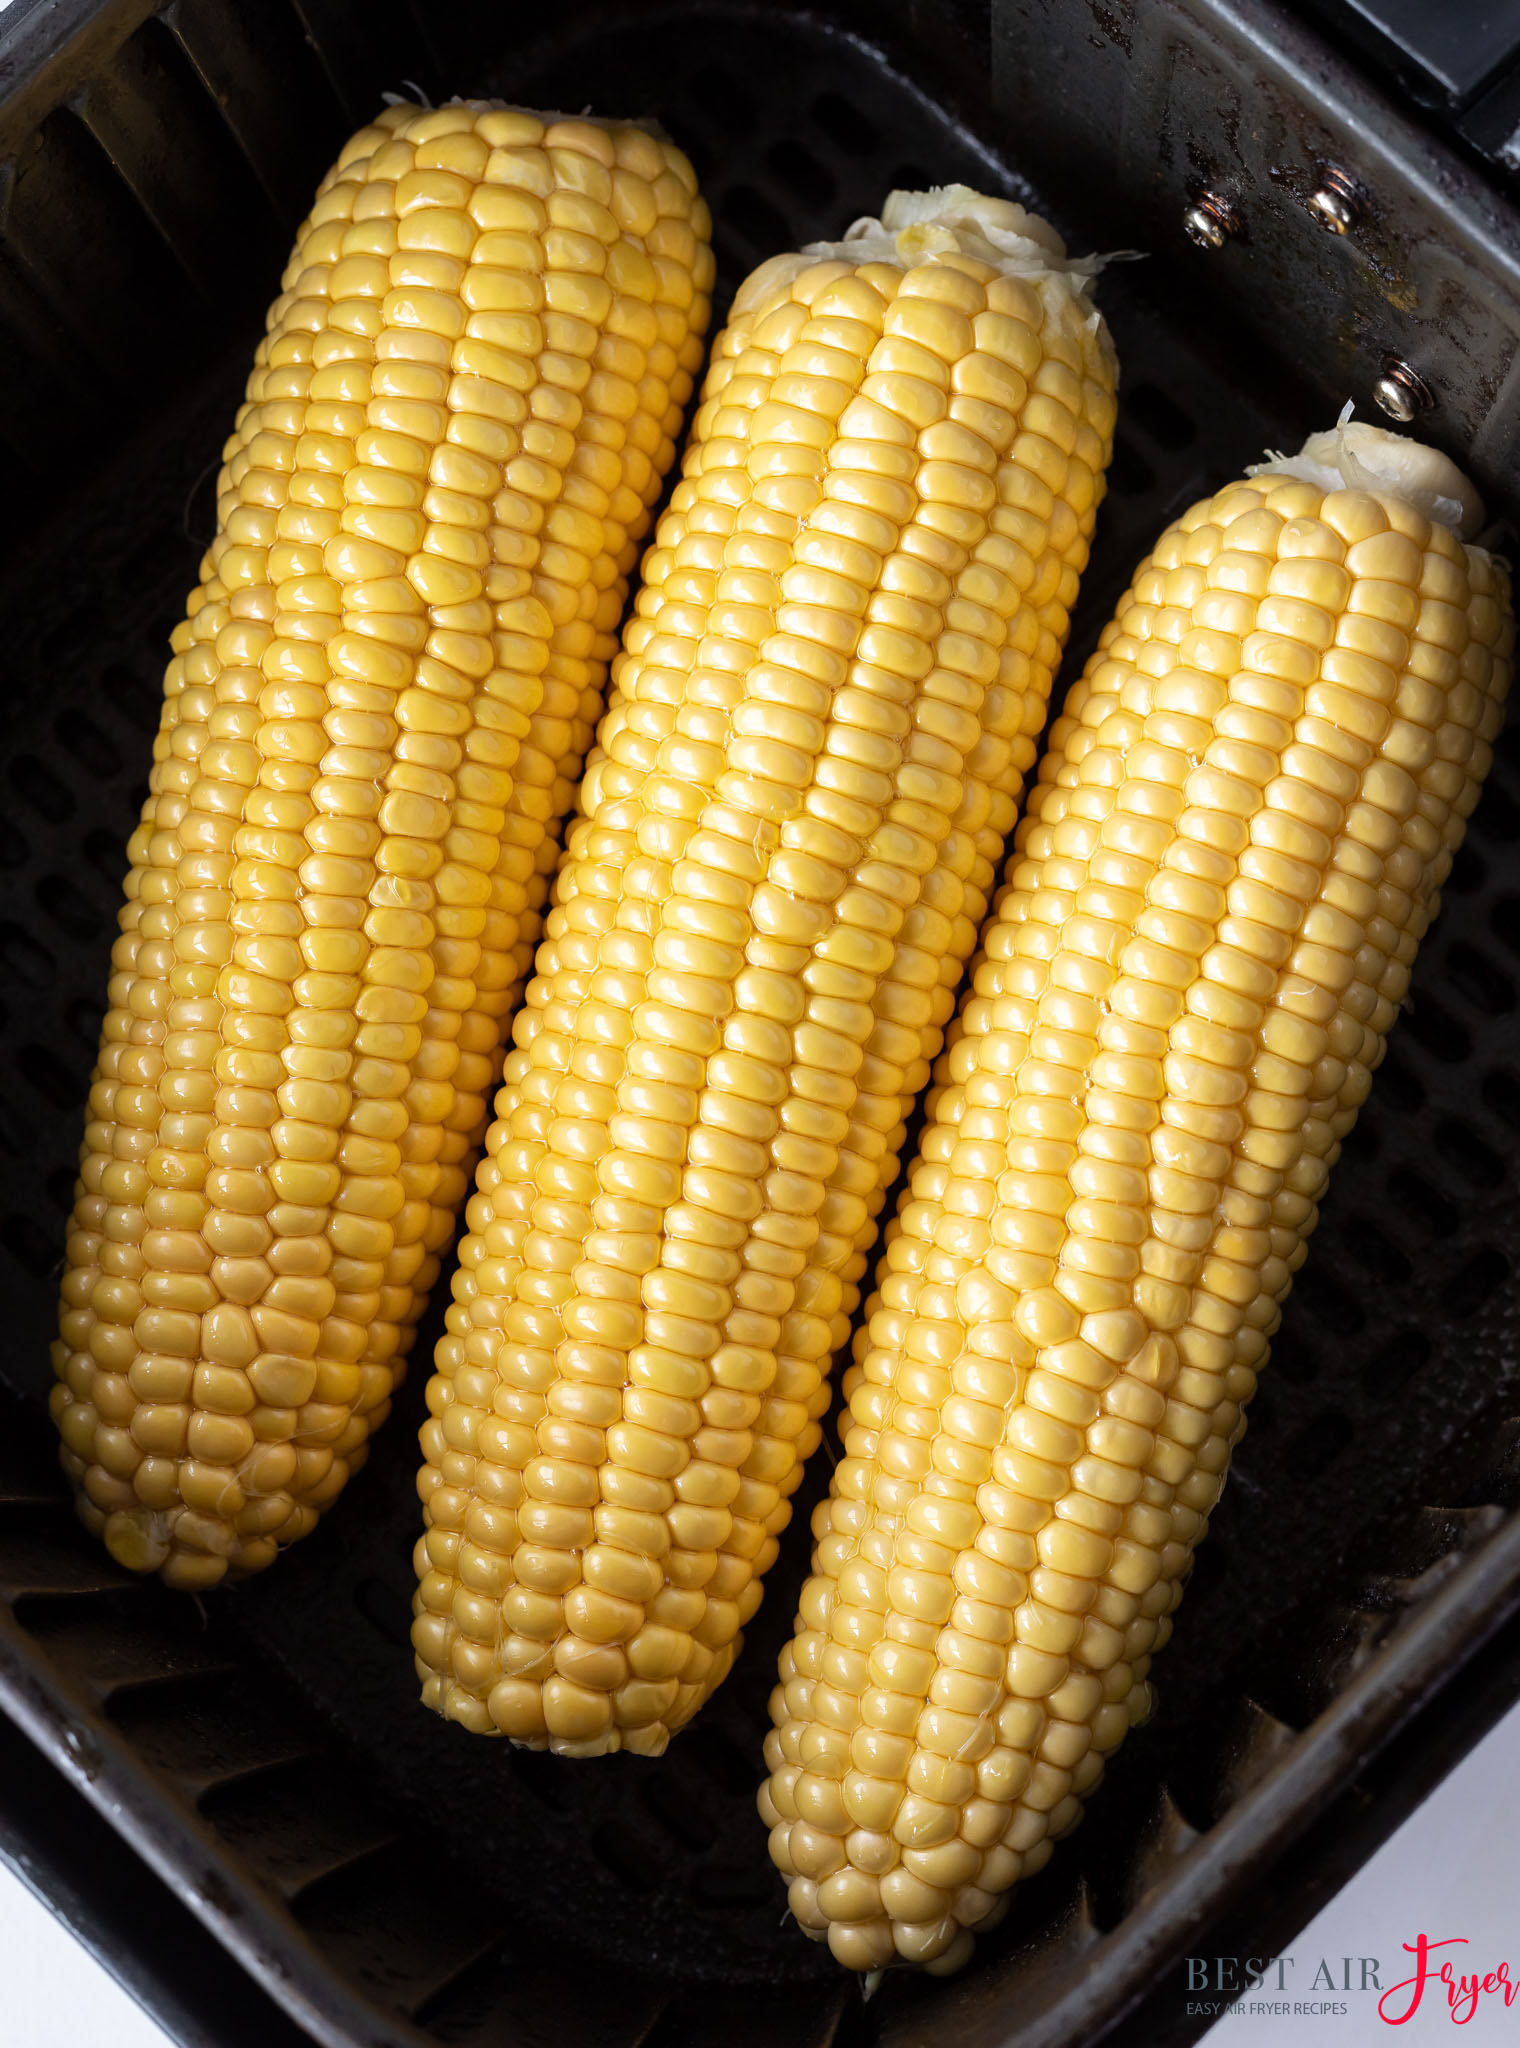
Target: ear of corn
[(1240, 827), (822, 719), (456, 426)]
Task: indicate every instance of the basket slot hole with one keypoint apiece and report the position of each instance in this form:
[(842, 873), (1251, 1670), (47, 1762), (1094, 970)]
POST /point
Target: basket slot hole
[(751, 1693), (1505, 919), (386, 1611), (678, 1814), (1438, 1030), (1500, 813), (800, 171), (908, 177), (1472, 1284), (845, 125), (103, 850), (152, 558), (624, 1852), (40, 789), (1296, 1361), (1474, 976), (1211, 1569), (540, 1775), (1459, 1144), (713, 88), (1161, 417), (1397, 1362), (756, 219), (95, 750), (1129, 474), (198, 524), (29, 1244), (25, 958), (701, 160), (1397, 1085), (60, 1188), (75, 636), (136, 691), (1377, 1252), (1468, 872), (1501, 1095), (1327, 1302), (721, 1761), (1318, 1444), (84, 1017), (73, 913), (13, 848), (731, 1886), (50, 1077), (1421, 1204)]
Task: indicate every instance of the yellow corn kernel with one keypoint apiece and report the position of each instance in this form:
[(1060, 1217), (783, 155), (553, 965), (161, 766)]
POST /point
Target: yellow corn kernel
[(821, 723), (1235, 842), (373, 722)]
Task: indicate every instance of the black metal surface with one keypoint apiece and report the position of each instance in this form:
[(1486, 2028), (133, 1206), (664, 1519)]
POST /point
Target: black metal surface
[(1134, 110), (1440, 54), (387, 1878)]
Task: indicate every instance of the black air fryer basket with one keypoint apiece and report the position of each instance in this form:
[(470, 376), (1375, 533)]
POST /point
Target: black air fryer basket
[(384, 1878)]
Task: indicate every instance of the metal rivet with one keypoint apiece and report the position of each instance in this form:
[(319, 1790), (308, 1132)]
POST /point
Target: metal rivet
[(1209, 221), (1336, 201), (1401, 392)]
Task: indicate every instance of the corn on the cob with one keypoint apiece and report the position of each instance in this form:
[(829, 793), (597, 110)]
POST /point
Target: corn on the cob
[(822, 719), (456, 426), (1235, 843)]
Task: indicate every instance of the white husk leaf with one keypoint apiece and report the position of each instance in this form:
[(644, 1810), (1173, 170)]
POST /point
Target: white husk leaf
[(1354, 456)]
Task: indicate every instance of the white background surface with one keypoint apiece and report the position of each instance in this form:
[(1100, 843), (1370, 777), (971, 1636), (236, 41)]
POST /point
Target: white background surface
[(1452, 1869)]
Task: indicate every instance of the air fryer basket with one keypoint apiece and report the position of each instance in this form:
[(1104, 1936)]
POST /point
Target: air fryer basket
[(386, 1878)]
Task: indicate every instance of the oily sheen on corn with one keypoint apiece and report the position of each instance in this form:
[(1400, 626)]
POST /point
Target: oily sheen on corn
[(822, 719), (1234, 846), (455, 428)]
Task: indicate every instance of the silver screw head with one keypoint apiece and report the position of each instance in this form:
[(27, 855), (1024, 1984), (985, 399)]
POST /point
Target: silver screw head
[(1332, 209), (1208, 222), (1402, 393)]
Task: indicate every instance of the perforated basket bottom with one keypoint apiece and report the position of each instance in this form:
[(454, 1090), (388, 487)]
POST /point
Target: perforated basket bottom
[(493, 1895)]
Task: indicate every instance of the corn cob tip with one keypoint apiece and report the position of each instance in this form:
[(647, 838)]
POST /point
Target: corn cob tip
[(948, 221), (1355, 456)]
